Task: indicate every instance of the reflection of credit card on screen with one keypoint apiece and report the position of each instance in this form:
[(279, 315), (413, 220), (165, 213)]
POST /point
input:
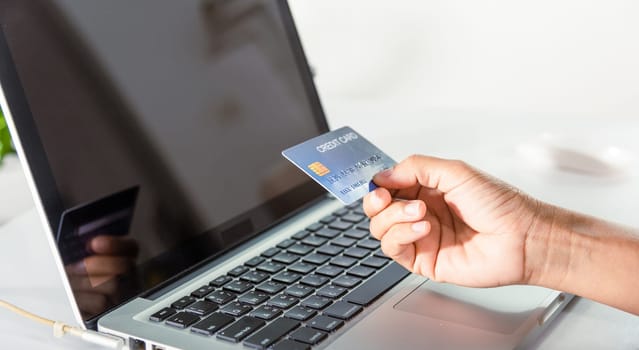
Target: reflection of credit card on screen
[(109, 215), (342, 161)]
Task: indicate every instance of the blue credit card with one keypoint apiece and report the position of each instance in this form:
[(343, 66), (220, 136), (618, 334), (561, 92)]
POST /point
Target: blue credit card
[(342, 161)]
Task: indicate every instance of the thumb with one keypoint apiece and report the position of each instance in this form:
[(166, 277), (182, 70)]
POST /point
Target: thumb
[(436, 173)]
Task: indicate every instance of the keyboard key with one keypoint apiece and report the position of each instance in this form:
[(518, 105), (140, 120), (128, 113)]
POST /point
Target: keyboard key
[(288, 344), (238, 271), (302, 234), (361, 271), (317, 259), (270, 252), (342, 310), (253, 298), (241, 329), (302, 267), (286, 258), (270, 267), (377, 285), (314, 241), (314, 280), (316, 302), (273, 332), (356, 233), (331, 291), (380, 254), (329, 270), (355, 205), (326, 323), (220, 281), (182, 319), (238, 287), (271, 287), (221, 297), (338, 225), (341, 212), (374, 262), (343, 261), (162, 314), (212, 324), (287, 277), (236, 309), (328, 219), (202, 291), (347, 281), (330, 249), (371, 244), (314, 226), (353, 218), (202, 307), (286, 243), (300, 313), (359, 211), (183, 302), (299, 291), (364, 226), (357, 252), (343, 242), (255, 276), (283, 301), (328, 232), (254, 261), (266, 312), (300, 249), (308, 335)]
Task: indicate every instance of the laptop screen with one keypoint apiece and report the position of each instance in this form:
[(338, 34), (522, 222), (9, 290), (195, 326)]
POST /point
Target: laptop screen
[(154, 130)]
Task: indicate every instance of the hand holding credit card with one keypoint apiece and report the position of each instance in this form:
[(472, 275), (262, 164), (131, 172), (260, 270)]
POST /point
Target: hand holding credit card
[(342, 161)]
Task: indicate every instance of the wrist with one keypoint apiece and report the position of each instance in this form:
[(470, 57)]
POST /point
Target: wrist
[(582, 255), (547, 247)]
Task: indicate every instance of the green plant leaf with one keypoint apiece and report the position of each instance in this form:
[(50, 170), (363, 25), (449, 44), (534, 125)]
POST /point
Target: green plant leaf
[(6, 146)]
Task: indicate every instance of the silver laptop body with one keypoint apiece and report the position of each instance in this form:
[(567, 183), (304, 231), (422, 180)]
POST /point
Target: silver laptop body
[(158, 126)]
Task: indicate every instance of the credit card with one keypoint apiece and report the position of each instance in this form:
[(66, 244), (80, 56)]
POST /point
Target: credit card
[(342, 161)]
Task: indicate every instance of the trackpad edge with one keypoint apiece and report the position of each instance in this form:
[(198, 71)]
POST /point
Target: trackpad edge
[(500, 309)]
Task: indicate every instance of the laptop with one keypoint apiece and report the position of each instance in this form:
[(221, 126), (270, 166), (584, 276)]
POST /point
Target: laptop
[(151, 132)]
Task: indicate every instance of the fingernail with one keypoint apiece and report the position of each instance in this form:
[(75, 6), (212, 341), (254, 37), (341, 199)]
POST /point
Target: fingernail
[(386, 173), (411, 209), (97, 244), (78, 268), (419, 227), (374, 198)]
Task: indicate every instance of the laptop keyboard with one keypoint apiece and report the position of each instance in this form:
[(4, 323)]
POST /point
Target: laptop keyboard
[(293, 295)]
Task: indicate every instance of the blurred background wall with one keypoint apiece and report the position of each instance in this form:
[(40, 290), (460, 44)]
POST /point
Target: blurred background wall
[(514, 59)]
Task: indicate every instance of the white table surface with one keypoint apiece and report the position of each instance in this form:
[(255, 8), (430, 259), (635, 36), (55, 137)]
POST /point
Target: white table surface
[(30, 279), (14, 193)]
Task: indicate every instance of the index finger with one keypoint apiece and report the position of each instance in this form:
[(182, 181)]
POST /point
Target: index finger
[(113, 245), (436, 173)]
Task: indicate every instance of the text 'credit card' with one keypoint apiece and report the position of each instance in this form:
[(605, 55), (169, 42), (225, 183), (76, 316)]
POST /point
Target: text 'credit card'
[(342, 161)]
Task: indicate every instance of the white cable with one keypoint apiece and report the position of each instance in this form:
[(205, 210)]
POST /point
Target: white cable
[(103, 339), (60, 329)]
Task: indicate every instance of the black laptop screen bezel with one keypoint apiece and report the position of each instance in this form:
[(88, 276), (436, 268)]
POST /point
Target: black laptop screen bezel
[(30, 147)]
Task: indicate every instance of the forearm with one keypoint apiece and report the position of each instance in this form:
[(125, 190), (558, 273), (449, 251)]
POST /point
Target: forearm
[(585, 256)]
